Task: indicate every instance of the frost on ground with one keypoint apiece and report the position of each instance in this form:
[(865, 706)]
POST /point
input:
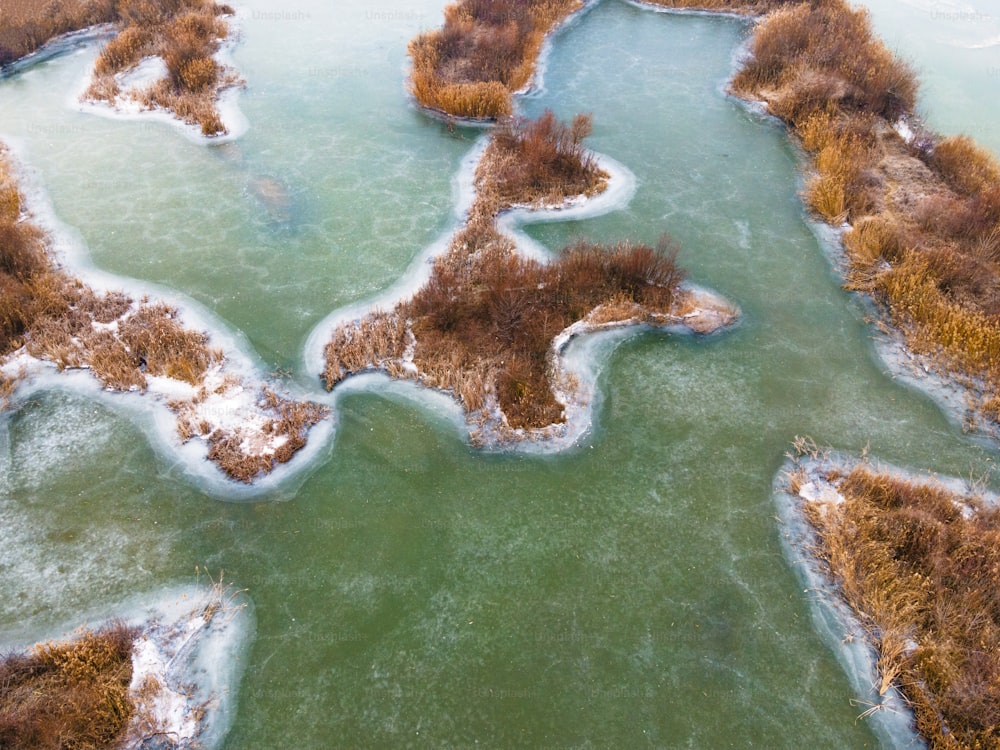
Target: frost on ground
[(185, 666)]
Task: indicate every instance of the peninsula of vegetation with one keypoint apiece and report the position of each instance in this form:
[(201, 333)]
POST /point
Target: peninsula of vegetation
[(489, 325), (48, 317), (917, 561), (162, 57)]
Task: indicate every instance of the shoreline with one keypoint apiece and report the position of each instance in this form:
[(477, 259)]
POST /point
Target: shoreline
[(188, 657), (888, 650), (240, 403)]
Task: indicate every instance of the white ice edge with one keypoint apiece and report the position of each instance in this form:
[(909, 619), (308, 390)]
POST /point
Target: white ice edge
[(535, 87), (580, 351), (235, 122), (836, 624), (641, 4), (180, 650), (150, 410)]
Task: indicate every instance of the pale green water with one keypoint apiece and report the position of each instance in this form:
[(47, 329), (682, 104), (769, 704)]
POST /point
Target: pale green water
[(413, 592)]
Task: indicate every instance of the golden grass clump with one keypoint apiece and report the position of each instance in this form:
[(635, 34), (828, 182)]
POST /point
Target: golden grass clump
[(966, 166), (68, 694), (811, 55), (486, 50), (921, 567), (185, 34)]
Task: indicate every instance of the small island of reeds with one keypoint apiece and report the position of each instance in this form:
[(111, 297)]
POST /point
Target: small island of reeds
[(489, 323), (917, 561), (486, 51)]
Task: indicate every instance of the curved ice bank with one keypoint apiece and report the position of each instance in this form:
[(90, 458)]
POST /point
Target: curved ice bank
[(129, 105), (238, 433), (188, 659)]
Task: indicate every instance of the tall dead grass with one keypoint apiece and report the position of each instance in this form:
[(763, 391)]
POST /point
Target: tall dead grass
[(68, 694), (245, 458), (28, 25), (811, 55), (921, 567), (486, 50), (742, 7), (185, 34)]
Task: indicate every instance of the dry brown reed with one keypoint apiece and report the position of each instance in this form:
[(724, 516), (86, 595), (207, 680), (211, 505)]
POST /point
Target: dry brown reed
[(68, 694), (185, 34), (808, 56), (537, 162), (742, 7), (921, 567), (246, 456), (486, 50), (28, 25)]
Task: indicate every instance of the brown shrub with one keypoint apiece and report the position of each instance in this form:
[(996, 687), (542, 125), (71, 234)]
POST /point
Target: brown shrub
[(71, 694), (533, 161)]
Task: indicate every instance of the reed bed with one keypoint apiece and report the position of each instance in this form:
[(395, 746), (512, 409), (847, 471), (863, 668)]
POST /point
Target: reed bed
[(922, 215), (920, 565), (740, 7), (185, 34), (486, 51), (245, 455), (68, 694), (27, 25)]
